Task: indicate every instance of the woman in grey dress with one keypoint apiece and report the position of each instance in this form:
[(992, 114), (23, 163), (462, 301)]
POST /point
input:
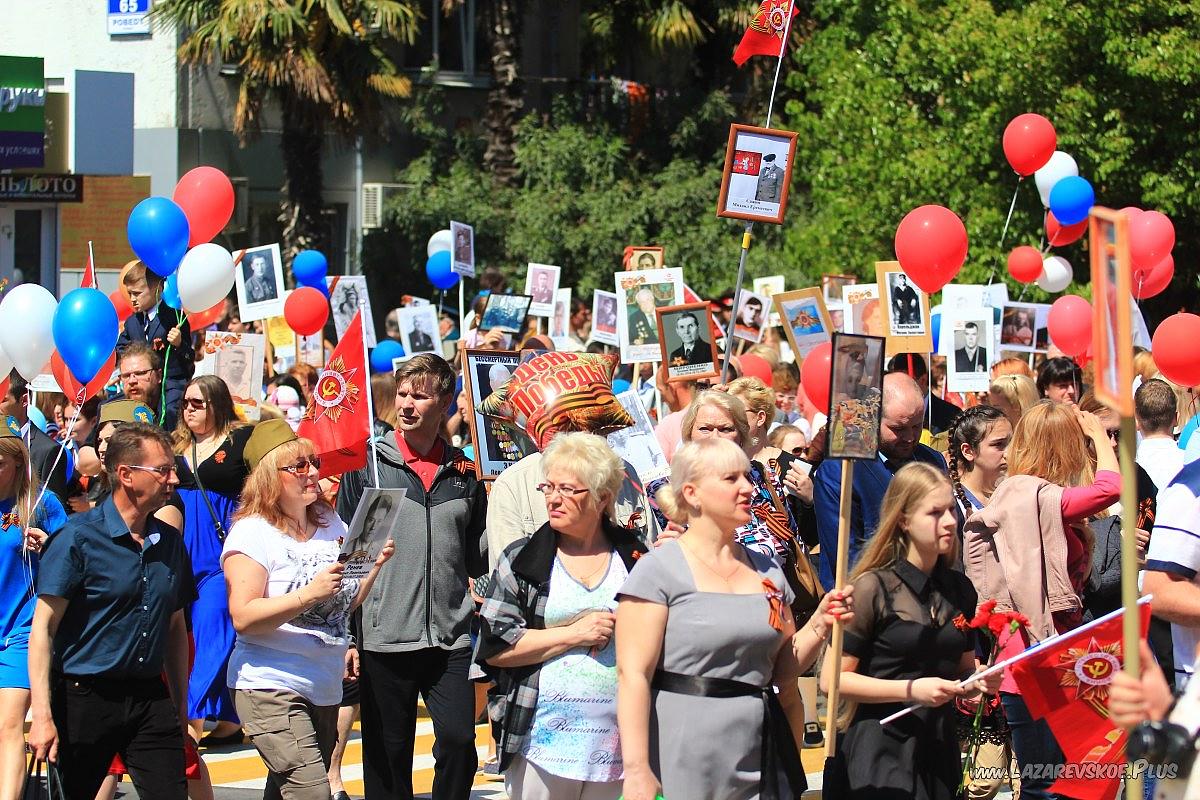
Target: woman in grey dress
[(704, 634)]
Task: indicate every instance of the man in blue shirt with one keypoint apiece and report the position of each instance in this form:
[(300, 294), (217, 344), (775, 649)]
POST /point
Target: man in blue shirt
[(899, 443), (109, 622)]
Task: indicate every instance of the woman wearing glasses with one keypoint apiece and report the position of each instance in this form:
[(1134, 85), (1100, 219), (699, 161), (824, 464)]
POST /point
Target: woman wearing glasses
[(209, 444), (290, 608), (547, 622)]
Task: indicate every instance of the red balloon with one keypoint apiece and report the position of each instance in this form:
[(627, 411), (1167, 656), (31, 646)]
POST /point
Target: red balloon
[(1070, 324), (1131, 212), (202, 319), (120, 302), (814, 375), (1058, 234), (755, 367), (206, 197), (306, 310), (1025, 264), (76, 392), (931, 245), (1174, 348), (1149, 282), (1029, 141), (1151, 237)]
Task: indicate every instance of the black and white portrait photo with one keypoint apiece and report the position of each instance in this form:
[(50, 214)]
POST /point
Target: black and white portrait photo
[(346, 294), (506, 312), (462, 251), (968, 368), (237, 359), (604, 317), (259, 281), (751, 316), (541, 283), (419, 330), (687, 348), (758, 167), (560, 322), (644, 258), (637, 445), (374, 521), (904, 300)]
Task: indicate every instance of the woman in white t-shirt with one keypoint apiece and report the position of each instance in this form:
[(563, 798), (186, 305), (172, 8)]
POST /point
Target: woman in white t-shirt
[(291, 610)]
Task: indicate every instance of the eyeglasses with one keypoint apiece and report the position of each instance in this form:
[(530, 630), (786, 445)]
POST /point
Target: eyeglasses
[(139, 374), (195, 404), (301, 466), (162, 472), (563, 491)]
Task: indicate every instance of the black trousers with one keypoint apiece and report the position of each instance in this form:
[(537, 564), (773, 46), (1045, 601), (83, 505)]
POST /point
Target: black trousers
[(390, 684), (98, 718)]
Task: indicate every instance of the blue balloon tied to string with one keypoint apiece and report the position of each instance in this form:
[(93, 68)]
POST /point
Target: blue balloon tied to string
[(384, 352), (437, 269), (935, 324), (170, 293), (310, 268), (158, 232), (1071, 199), (85, 330)]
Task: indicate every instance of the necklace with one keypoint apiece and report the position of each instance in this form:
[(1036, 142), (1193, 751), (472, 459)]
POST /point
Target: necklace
[(710, 568), (586, 581)]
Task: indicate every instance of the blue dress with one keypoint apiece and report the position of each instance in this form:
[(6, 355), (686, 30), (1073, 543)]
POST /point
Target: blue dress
[(223, 474), (18, 577)]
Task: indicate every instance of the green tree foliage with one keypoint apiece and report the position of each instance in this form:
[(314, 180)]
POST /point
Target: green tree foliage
[(904, 103)]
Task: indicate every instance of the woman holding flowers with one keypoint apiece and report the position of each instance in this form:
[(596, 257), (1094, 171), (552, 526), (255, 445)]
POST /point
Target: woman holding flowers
[(908, 642)]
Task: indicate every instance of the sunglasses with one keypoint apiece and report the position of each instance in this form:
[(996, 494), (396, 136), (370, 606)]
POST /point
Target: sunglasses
[(302, 466), (195, 404)]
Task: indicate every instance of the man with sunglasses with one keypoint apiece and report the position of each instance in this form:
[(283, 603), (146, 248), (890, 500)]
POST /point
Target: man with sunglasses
[(415, 634), (109, 623)]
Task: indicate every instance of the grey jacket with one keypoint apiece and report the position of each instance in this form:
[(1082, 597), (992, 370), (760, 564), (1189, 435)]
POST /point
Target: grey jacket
[(421, 598)]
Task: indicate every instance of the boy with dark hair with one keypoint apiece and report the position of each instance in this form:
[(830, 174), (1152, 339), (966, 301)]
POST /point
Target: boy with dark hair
[(164, 329), (1157, 452)]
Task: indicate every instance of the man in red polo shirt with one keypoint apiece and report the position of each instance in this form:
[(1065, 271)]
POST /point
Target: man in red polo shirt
[(415, 624)]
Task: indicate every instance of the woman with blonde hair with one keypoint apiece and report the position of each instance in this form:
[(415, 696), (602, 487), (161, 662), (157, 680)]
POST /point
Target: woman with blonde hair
[(291, 609), (1013, 394), (907, 643), (1030, 548), (1012, 366), (705, 635)]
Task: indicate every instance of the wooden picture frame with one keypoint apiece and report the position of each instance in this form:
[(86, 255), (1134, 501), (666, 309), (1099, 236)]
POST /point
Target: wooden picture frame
[(498, 445), (805, 319), (832, 286), (855, 396), (633, 255), (912, 332), (752, 187), (703, 360), (1112, 325)]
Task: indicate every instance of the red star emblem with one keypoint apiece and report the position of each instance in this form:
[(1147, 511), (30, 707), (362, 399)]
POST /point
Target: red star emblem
[(1090, 670), (772, 17), (335, 392)]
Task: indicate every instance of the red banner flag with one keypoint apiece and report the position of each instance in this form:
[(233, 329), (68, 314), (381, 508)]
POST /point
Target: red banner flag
[(1067, 685), (336, 420), (765, 35)]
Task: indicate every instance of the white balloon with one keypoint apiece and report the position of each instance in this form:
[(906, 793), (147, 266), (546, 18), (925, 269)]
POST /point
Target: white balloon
[(205, 277), (1060, 166), (6, 365), (439, 241), (1056, 274), (27, 334)]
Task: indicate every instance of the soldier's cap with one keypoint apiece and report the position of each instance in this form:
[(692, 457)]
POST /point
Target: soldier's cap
[(769, 157), (126, 411), (266, 437), (11, 429)]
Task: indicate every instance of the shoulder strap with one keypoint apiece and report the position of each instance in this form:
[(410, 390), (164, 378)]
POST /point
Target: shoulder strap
[(220, 529)]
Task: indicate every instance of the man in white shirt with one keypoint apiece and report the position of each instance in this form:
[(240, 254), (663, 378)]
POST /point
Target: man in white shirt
[(1173, 566), (1157, 452)]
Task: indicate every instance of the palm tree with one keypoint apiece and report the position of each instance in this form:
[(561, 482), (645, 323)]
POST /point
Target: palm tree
[(324, 63)]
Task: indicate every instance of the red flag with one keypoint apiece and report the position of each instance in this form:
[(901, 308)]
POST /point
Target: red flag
[(89, 272), (765, 35), (336, 420), (1067, 684)]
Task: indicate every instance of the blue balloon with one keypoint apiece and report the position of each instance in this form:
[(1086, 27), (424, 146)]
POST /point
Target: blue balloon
[(437, 268), (1071, 199), (384, 352), (170, 293), (620, 385), (935, 324), (85, 331), (158, 232), (310, 268)]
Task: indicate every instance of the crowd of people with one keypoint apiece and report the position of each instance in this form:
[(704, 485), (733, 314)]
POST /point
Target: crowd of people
[(174, 581)]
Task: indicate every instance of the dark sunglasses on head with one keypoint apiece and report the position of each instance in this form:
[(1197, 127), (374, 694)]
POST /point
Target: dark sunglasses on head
[(302, 465)]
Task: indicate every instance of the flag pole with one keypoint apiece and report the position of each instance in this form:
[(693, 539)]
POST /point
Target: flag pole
[(841, 567), (787, 32), (362, 302), (1131, 619)]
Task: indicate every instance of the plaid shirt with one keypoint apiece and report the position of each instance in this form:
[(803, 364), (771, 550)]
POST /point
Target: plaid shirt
[(516, 602)]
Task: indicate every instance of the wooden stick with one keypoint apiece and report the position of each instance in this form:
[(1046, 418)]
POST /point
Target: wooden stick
[(840, 569), (1131, 618)]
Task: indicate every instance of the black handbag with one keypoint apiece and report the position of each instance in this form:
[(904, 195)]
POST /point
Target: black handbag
[(32, 788)]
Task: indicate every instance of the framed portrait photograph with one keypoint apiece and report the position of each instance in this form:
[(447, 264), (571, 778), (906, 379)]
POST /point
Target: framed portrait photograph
[(905, 309), (685, 338), (837, 315), (637, 444), (832, 286), (806, 321), (259, 281), (968, 295), (375, 518), (346, 294), (505, 311), (462, 249), (560, 321), (855, 396), (419, 330), (639, 294), (758, 172), (237, 359), (646, 257), (751, 318), (498, 444), (1112, 327), (969, 362), (863, 314), (541, 282), (1023, 326), (604, 318)]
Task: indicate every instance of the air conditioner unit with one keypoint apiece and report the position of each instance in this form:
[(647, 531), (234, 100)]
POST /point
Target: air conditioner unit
[(374, 196), (240, 222)]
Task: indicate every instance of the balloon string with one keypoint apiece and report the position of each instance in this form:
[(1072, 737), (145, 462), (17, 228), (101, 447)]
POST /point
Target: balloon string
[(57, 457), (1004, 233)]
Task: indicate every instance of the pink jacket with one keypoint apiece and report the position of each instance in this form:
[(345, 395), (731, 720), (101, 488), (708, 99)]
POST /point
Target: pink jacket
[(1015, 552)]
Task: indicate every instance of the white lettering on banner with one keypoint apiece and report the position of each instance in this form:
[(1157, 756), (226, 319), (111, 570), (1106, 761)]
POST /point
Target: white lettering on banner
[(14, 97), (38, 184)]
